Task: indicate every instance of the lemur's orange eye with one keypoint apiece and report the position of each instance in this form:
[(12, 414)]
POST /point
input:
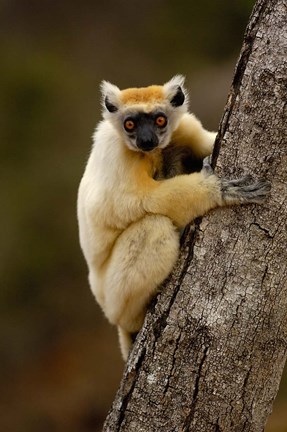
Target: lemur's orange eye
[(160, 121), (129, 125)]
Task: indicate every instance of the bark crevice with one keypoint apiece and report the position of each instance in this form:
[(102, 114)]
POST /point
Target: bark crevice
[(196, 390)]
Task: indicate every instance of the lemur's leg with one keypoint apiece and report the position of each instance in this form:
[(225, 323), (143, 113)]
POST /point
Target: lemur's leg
[(142, 257)]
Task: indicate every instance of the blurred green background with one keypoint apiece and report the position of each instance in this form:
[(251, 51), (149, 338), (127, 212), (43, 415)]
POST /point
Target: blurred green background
[(59, 360)]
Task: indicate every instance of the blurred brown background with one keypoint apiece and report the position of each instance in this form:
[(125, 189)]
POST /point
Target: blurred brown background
[(59, 360)]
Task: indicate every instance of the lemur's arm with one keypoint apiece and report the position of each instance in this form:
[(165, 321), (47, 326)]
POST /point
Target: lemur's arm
[(186, 197), (190, 133), (190, 144)]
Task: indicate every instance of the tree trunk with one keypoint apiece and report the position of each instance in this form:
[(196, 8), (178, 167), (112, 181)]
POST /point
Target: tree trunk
[(214, 343)]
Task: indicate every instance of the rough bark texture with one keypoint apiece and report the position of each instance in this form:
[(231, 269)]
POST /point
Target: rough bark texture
[(212, 350)]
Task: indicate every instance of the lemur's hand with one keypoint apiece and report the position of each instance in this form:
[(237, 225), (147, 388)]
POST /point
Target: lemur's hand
[(206, 167), (242, 190), (245, 190)]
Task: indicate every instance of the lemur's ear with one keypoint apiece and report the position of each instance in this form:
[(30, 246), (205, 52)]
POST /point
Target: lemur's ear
[(174, 91), (110, 95)]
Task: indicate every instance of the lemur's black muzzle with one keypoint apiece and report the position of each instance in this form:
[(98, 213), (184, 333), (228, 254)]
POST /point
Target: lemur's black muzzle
[(147, 139)]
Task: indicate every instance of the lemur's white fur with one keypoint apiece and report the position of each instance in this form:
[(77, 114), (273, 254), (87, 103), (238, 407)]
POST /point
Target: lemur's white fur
[(128, 220)]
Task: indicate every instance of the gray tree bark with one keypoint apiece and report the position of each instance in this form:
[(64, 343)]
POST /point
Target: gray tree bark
[(214, 343)]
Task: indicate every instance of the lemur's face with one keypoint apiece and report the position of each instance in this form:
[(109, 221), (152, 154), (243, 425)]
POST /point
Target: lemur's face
[(145, 117), (146, 131)]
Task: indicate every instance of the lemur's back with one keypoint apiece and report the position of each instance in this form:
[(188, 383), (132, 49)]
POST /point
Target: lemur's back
[(96, 200)]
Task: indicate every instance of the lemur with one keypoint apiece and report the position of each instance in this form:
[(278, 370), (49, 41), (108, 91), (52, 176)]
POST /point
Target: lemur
[(137, 193)]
